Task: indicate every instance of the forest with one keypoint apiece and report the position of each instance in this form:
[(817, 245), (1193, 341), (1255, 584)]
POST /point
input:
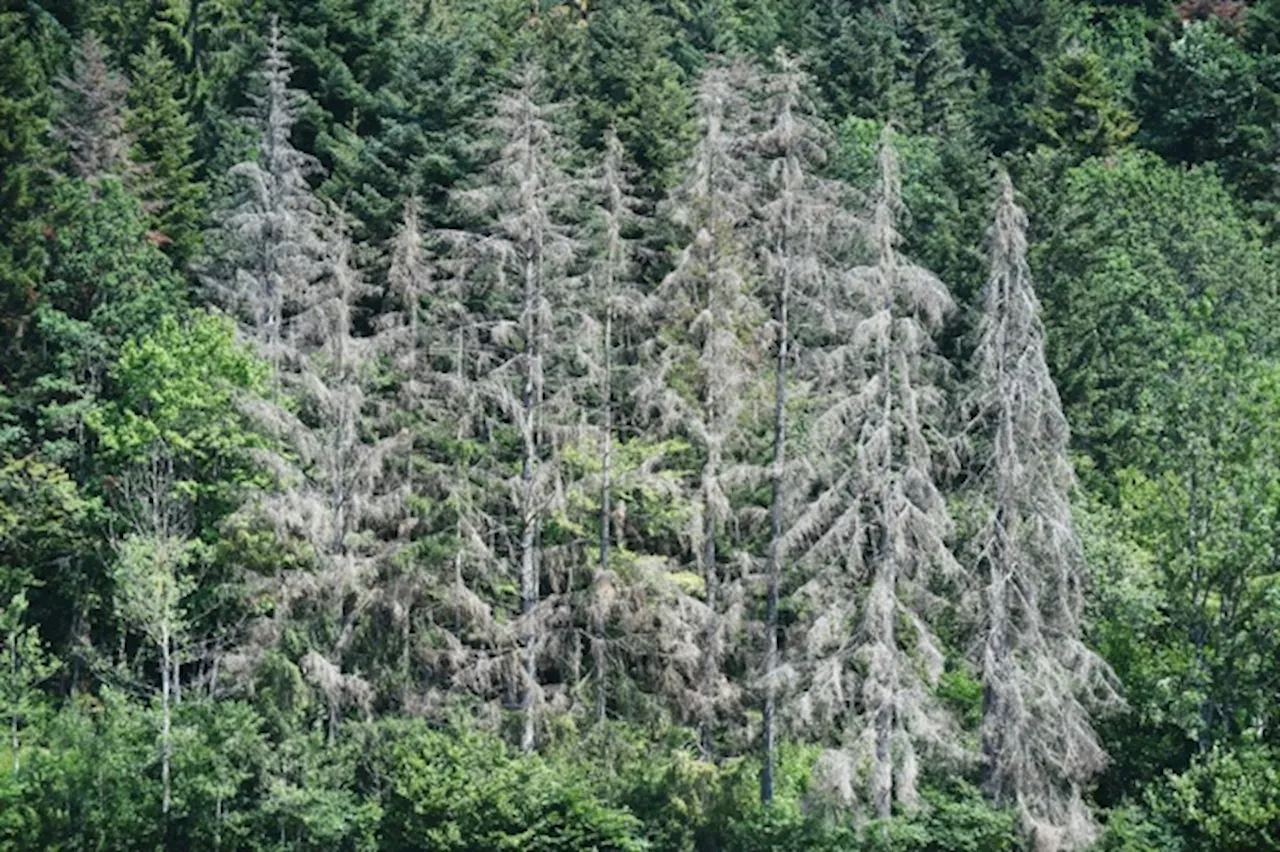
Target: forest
[(640, 425)]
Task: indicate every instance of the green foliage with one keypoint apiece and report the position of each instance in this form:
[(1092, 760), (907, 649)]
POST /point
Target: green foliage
[(179, 388), (103, 283), (456, 790), (1082, 112), (163, 139), (903, 64), (631, 80), (1008, 43), (40, 510), (25, 667), (26, 102), (1208, 99), (940, 186), (90, 783), (1143, 261), (1228, 799)]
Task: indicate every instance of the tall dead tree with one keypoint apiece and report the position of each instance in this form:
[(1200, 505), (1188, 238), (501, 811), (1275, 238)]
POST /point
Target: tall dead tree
[(878, 531), (336, 496), (1038, 745), (804, 229), (522, 259), (409, 278), (612, 298), (701, 375), (92, 124), (266, 250)]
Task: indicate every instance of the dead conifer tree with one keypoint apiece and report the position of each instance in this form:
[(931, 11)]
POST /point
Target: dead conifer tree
[(879, 528), (804, 229), (336, 497), (265, 252), (1038, 744), (701, 374), (613, 299), (521, 262), (92, 125), (410, 280)]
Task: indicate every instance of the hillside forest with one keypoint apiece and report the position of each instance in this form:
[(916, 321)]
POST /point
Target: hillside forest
[(622, 425)]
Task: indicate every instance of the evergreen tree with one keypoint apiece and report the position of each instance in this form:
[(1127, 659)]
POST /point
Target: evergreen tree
[(163, 137), (264, 252), (1039, 747), (703, 368), (92, 126), (524, 258), (614, 300), (337, 498), (881, 516), (803, 229), (635, 84), (1082, 112), (26, 161)]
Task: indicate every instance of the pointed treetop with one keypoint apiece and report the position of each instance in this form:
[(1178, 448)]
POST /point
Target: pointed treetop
[(92, 126)]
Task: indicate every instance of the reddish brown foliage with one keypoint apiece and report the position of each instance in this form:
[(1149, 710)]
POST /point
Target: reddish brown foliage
[(1229, 14)]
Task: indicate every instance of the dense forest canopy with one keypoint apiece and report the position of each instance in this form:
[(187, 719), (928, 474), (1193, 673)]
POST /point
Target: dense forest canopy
[(640, 425)]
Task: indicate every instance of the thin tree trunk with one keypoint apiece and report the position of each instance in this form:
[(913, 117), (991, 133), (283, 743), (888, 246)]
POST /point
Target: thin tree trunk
[(775, 544), (13, 720), (606, 509), (165, 722), (710, 659), (882, 623), (528, 533)]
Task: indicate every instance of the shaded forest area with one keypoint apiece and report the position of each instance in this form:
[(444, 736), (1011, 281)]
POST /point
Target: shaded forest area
[(640, 425)]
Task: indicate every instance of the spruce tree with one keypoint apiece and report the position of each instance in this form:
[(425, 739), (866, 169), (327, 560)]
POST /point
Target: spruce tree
[(1038, 744), (522, 260), (92, 126), (264, 252), (163, 138), (336, 497), (26, 160), (613, 299), (879, 527), (803, 230), (703, 370)]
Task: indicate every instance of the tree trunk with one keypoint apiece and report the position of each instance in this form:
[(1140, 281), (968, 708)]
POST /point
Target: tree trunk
[(529, 521), (13, 718), (166, 744), (606, 509), (775, 543), (710, 659)]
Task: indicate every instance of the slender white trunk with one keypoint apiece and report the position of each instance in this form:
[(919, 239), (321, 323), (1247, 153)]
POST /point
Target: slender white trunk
[(13, 718), (774, 578), (529, 522), (606, 509), (166, 744)]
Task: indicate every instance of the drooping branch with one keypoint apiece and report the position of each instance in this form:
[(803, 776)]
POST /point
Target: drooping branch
[(1038, 744)]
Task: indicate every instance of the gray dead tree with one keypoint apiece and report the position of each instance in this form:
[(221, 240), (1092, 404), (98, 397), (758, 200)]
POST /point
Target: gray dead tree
[(804, 229), (1038, 744), (701, 373), (877, 533), (336, 496), (613, 298), (265, 251), (92, 124), (640, 622), (522, 260)]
